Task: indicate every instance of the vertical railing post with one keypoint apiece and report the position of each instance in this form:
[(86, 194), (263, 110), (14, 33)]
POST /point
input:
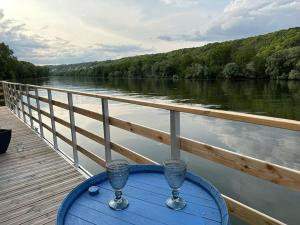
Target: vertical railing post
[(16, 99), (39, 112), (175, 134), (22, 103), (2, 84), (29, 107), (73, 131), (12, 102), (106, 129), (8, 96), (4, 93), (52, 119), (13, 99)]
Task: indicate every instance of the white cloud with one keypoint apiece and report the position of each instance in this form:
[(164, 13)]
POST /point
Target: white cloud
[(180, 2), (242, 18), (72, 30), (53, 50)]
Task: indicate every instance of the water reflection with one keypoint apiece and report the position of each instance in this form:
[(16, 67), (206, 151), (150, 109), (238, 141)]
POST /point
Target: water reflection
[(279, 146)]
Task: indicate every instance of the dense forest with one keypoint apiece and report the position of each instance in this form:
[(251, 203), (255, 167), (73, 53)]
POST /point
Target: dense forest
[(271, 56), (12, 68)]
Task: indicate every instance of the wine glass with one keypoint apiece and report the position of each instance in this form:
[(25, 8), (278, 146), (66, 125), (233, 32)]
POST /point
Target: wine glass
[(117, 172), (175, 171)]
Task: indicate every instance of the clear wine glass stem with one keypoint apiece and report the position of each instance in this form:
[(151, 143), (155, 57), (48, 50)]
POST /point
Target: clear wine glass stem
[(175, 194), (118, 194)]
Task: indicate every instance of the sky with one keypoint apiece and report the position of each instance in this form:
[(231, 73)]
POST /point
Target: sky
[(73, 31)]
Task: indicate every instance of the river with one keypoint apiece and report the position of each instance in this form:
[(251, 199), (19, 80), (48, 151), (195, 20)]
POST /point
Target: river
[(270, 98)]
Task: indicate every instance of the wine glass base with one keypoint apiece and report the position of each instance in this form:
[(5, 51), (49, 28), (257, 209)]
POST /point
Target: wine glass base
[(118, 204), (176, 204)]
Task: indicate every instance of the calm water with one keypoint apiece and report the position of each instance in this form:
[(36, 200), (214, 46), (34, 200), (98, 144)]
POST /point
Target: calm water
[(278, 99)]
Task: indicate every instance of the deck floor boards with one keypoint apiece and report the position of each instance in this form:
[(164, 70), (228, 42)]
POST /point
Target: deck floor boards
[(34, 179)]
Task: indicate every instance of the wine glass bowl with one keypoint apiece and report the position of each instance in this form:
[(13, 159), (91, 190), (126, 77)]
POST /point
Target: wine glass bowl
[(174, 171), (118, 172)]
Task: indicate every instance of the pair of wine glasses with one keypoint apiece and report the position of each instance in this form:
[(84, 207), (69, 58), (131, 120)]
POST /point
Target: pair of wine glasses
[(118, 172)]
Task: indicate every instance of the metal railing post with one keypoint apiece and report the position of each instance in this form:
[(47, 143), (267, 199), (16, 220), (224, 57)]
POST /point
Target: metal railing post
[(52, 119), (106, 129), (175, 134), (22, 103), (4, 93), (29, 107), (39, 112), (73, 131), (16, 99), (8, 96), (12, 99)]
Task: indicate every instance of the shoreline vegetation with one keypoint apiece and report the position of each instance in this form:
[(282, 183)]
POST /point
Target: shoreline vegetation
[(273, 56), (12, 69)]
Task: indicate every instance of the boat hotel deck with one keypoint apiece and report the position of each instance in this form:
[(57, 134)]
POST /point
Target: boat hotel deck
[(35, 175)]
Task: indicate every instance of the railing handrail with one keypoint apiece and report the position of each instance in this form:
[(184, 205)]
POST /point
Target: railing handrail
[(222, 114), (256, 167), (259, 168)]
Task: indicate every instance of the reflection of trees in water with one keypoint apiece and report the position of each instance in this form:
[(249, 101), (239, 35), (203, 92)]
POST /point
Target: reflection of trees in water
[(273, 98)]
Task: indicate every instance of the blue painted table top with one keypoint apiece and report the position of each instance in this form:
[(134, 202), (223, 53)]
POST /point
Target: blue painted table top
[(146, 191)]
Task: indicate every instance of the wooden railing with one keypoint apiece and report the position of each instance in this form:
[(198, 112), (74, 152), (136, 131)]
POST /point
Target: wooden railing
[(255, 167)]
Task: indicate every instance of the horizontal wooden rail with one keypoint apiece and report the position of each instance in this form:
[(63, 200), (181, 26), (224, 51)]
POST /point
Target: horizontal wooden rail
[(255, 167), (136, 157), (249, 214), (84, 112), (87, 153), (235, 116), (153, 134), (88, 113)]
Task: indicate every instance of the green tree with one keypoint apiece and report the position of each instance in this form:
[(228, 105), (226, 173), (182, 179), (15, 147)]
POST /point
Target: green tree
[(11, 68), (7, 62), (282, 62), (294, 75), (269, 56), (231, 70), (197, 71), (250, 70)]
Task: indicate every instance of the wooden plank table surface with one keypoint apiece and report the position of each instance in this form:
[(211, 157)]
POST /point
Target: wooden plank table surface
[(33, 177)]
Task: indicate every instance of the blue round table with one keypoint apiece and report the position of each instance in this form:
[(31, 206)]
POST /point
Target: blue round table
[(146, 191)]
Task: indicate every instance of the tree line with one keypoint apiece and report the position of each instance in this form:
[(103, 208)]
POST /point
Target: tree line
[(271, 56), (12, 68)]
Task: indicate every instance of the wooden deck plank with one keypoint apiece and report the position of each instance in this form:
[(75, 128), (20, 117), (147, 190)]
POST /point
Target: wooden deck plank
[(31, 209), (33, 177), (33, 166), (32, 186), (27, 175)]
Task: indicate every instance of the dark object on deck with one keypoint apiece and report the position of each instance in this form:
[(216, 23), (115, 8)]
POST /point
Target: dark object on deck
[(5, 136)]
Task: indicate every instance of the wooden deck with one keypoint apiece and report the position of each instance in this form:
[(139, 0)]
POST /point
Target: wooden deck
[(33, 177)]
